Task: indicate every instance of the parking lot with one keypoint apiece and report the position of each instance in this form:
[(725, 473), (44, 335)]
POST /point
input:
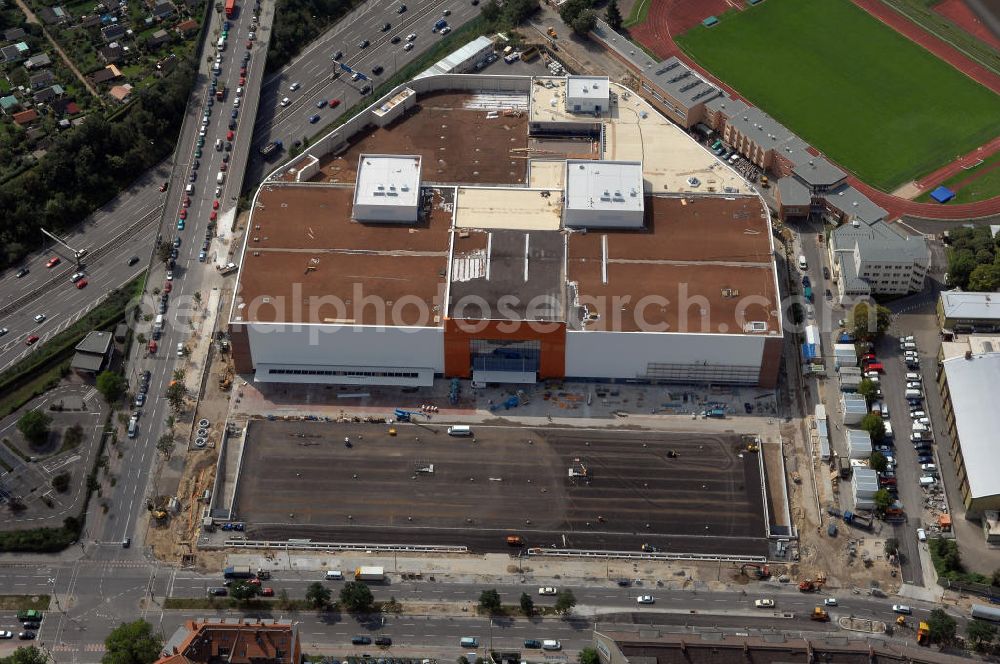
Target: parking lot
[(678, 492)]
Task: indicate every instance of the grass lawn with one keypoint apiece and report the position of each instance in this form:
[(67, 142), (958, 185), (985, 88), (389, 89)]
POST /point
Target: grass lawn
[(871, 99), (982, 188), (638, 14), (22, 602)]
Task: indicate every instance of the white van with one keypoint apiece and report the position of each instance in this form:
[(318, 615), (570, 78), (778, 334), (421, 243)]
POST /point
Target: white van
[(913, 377), (460, 430), (927, 480), (907, 345), (189, 189), (921, 535), (158, 323), (888, 430), (220, 178), (133, 427), (334, 575), (914, 394), (551, 644), (469, 642), (928, 468), (221, 44), (885, 410), (920, 427), (803, 264)]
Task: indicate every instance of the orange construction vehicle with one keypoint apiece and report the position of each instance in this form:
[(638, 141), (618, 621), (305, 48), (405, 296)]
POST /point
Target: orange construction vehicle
[(924, 634), (819, 614), (808, 586)]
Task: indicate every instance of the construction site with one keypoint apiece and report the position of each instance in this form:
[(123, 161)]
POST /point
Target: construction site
[(548, 488)]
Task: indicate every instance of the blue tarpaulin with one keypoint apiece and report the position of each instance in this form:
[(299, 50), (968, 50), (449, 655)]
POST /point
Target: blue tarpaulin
[(942, 194), (809, 352)]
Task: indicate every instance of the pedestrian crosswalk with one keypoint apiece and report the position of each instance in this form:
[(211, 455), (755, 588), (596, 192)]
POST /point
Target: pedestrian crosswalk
[(87, 647)]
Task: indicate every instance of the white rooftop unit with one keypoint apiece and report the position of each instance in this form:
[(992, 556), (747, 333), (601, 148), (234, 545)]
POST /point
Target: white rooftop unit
[(855, 407), (388, 188), (603, 194), (859, 444), (864, 484), (822, 432), (588, 94)]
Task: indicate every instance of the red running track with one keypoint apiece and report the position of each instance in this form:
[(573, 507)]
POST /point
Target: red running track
[(668, 16), (958, 13)]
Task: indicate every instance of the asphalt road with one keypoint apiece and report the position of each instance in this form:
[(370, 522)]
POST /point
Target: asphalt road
[(314, 67), (93, 596)]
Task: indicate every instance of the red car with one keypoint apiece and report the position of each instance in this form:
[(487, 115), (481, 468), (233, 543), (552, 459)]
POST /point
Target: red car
[(243, 71), (153, 346), (215, 205), (249, 43), (30, 341), (870, 357), (55, 260), (223, 167), (167, 287), (254, 582), (82, 283), (334, 103), (243, 80), (163, 187), (230, 135), (184, 214), (875, 366), (213, 216), (267, 592)]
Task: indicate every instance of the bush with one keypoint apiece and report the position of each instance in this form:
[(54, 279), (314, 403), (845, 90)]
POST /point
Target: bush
[(61, 482)]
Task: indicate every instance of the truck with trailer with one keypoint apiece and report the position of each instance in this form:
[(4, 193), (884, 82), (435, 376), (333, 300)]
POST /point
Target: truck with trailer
[(237, 572), (859, 520), (29, 614), (230, 8), (369, 574), (984, 612)]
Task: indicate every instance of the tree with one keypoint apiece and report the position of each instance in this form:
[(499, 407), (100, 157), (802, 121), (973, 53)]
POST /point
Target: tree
[(565, 601), (318, 595), (891, 546), (571, 9), (175, 395), (132, 643), (878, 462), (489, 601), (868, 389), (868, 323), (163, 251), (942, 626), (34, 426), (613, 15), (243, 592), (980, 632), (874, 425), (883, 499), (111, 385), (584, 22), (61, 482), (356, 596), (527, 604), (491, 10), (73, 436), (165, 445), (588, 656), (29, 655), (985, 278)]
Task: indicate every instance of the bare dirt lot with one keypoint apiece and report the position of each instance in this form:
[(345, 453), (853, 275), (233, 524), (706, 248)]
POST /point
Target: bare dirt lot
[(299, 479), (456, 144)]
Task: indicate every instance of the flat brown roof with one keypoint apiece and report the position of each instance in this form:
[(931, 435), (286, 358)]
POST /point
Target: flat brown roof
[(702, 265), (306, 260), (458, 145)]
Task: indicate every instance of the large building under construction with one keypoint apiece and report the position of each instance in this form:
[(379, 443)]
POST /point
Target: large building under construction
[(508, 230)]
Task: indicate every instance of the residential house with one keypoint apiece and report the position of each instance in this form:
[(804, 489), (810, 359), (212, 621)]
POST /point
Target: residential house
[(113, 32), (13, 34), (41, 79), (873, 259), (187, 28), (164, 9), (25, 117), (109, 73), (193, 5), (89, 21), (53, 15), (64, 107), (250, 642), (38, 60), (48, 94), (15, 52), (9, 104), (121, 92), (157, 39), (111, 54), (166, 65)]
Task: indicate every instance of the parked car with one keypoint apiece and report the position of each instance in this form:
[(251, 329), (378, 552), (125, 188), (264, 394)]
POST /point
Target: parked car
[(645, 599), (547, 590), (52, 262), (361, 640), (383, 641), (764, 603)]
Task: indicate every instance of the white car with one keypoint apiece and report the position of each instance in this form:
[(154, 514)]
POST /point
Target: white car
[(6, 635), (239, 92), (922, 420), (914, 386), (408, 47), (645, 599), (285, 101), (909, 338), (830, 601), (39, 318), (411, 36), (3, 331), (547, 590), (294, 86), (76, 277), (170, 275), (764, 604)]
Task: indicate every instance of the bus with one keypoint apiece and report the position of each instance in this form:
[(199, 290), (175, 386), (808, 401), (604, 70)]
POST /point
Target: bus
[(984, 612)]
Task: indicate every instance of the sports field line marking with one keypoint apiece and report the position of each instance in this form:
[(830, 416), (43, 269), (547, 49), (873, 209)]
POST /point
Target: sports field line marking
[(638, 13)]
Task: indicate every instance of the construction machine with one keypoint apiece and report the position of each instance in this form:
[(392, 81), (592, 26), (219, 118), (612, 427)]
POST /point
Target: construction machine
[(808, 586), (760, 571), (924, 634), (819, 614)]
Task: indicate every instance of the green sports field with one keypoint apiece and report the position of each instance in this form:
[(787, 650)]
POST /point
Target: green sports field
[(872, 100)]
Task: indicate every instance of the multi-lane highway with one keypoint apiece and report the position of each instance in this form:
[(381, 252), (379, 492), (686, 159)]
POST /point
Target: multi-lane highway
[(313, 69), (94, 596)]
